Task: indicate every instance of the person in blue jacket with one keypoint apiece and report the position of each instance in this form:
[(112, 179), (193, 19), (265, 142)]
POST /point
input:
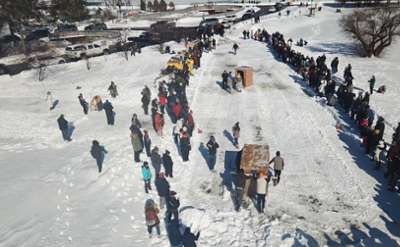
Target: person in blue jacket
[(146, 173)]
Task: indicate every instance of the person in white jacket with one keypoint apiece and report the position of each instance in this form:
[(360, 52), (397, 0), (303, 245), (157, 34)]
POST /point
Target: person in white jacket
[(262, 190)]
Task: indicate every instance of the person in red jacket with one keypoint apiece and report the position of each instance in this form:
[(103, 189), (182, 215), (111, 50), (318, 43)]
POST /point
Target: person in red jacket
[(163, 102), (190, 123), (159, 123), (177, 109)]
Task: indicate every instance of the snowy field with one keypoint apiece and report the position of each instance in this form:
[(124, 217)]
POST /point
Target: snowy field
[(52, 195)]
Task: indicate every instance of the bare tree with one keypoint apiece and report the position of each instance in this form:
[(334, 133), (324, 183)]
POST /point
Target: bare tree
[(375, 29)]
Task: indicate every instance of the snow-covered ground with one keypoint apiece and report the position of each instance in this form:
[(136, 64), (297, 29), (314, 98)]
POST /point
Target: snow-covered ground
[(52, 195)]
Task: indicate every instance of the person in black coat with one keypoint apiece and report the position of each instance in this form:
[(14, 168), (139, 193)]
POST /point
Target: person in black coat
[(189, 239), (108, 108), (84, 104), (239, 180), (98, 153), (185, 146), (162, 187), (225, 76), (380, 126), (172, 206), (63, 126), (212, 146), (167, 163)]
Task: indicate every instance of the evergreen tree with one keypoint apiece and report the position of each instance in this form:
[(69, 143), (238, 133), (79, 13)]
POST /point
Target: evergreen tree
[(150, 5), (171, 5), (162, 6), (17, 12), (142, 5), (69, 10), (156, 6)]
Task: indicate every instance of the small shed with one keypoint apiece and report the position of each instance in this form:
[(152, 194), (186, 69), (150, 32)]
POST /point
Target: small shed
[(255, 157), (245, 73)]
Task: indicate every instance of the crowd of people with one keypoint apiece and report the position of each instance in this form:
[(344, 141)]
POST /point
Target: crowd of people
[(320, 78)]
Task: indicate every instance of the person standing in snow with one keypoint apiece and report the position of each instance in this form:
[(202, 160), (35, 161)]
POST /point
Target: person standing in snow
[(135, 123), (146, 97), (239, 182), (156, 160), (113, 90), (162, 98), (262, 189), (184, 143), (84, 104), (159, 123), (137, 143), (189, 122), (50, 101), (147, 143), (177, 110), (279, 163), (108, 108), (235, 48), (162, 187), (189, 239), (372, 84), (236, 134), (151, 215), (146, 173), (63, 125), (225, 76), (98, 153), (167, 163), (380, 127), (172, 207), (334, 65), (212, 146)]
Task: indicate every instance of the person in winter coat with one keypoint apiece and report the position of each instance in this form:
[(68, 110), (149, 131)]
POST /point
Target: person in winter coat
[(185, 146), (159, 123), (212, 146), (146, 97), (84, 104), (108, 108), (146, 173), (113, 90), (147, 143), (236, 134), (396, 135), (380, 126), (135, 122), (279, 164), (225, 76), (156, 160), (167, 163), (174, 233), (172, 206), (189, 239), (380, 156), (137, 143), (235, 48), (151, 215), (239, 182), (177, 110), (163, 102), (372, 84), (98, 153), (50, 100), (64, 127), (162, 187), (189, 122), (262, 189), (334, 65)]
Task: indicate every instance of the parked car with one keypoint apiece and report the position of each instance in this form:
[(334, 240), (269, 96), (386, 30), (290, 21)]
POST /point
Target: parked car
[(96, 27), (229, 19), (208, 24), (38, 34), (3, 69), (66, 28), (10, 38), (80, 51)]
